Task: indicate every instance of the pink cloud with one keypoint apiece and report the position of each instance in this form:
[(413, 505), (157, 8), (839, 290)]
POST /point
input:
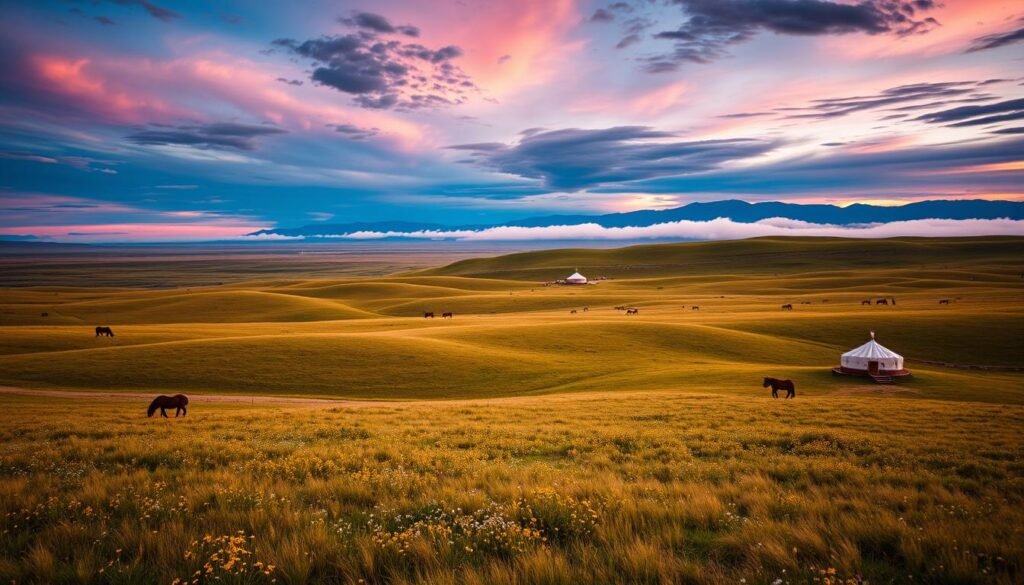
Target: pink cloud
[(962, 22), (80, 79), (99, 85)]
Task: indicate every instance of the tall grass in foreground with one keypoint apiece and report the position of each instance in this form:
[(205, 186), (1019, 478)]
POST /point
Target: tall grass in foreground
[(634, 488)]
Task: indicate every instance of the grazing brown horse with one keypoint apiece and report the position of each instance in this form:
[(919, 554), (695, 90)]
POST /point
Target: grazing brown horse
[(572, 312), (428, 315), (867, 302), (447, 315), (943, 301), (695, 308), (777, 385), (882, 302), (787, 307), (632, 311), (179, 402), (107, 331)]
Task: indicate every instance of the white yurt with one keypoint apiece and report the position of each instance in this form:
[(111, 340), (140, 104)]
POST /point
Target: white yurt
[(576, 278), (873, 359)]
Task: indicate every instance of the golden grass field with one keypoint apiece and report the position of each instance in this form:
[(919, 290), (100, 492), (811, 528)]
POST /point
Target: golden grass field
[(519, 443)]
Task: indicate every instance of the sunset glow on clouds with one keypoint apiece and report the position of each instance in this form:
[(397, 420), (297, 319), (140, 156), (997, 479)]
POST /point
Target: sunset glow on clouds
[(466, 112)]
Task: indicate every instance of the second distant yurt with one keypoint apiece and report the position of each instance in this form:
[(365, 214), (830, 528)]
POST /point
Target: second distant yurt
[(872, 360), (576, 278)]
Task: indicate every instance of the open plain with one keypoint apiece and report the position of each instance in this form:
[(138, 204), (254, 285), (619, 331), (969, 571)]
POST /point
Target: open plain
[(541, 435)]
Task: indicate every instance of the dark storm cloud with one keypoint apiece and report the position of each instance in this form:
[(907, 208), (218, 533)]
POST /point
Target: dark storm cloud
[(977, 115), (354, 132), (573, 159), (746, 115), (379, 24), (994, 41), (627, 41), (632, 31), (602, 15), (903, 98), (381, 72), (714, 25), (154, 10), (849, 170), (221, 136), (289, 81)]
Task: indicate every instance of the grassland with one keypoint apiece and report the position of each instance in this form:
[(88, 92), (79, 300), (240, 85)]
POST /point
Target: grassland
[(568, 448)]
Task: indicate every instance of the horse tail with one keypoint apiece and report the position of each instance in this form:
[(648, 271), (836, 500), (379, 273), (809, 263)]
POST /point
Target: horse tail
[(153, 406)]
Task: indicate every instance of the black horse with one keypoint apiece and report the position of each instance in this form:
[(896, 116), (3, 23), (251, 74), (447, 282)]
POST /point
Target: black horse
[(179, 402), (777, 385), (104, 331)]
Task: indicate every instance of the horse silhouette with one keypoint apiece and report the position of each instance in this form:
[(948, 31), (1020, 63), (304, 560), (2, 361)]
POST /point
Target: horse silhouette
[(179, 402), (695, 308), (447, 315), (428, 315), (787, 307), (632, 311), (882, 302), (777, 385), (104, 331), (868, 302)]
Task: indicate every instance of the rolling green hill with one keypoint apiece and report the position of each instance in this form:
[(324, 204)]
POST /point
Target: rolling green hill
[(752, 256), (367, 338)]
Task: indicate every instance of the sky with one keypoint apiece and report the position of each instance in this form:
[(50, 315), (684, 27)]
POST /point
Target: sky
[(153, 120)]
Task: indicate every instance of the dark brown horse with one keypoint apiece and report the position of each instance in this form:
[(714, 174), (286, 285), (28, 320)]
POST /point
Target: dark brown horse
[(107, 331), (448, 315), (179, 402), (428, 315), (787, 307), (632, 311), (777, 385)]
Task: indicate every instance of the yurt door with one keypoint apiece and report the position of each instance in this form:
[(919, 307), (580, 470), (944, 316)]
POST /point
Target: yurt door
[(872, 367)]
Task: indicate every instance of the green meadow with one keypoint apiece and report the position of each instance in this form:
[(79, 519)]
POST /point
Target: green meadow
[(539, 436)]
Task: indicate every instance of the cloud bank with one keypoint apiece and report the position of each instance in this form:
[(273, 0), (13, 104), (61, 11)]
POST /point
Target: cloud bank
[(716, 229), (572, 158)]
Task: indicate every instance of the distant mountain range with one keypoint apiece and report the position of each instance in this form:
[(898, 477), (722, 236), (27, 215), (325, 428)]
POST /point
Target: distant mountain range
[(738, 211)]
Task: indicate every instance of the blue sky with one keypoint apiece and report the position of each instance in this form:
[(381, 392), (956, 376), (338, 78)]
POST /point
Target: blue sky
[(133, 120)]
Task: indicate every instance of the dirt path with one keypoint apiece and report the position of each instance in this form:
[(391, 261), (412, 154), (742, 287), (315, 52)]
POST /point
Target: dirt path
[(196, 398)]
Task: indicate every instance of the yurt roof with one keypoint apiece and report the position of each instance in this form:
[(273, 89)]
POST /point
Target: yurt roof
[(576, 276), (872, 350)]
